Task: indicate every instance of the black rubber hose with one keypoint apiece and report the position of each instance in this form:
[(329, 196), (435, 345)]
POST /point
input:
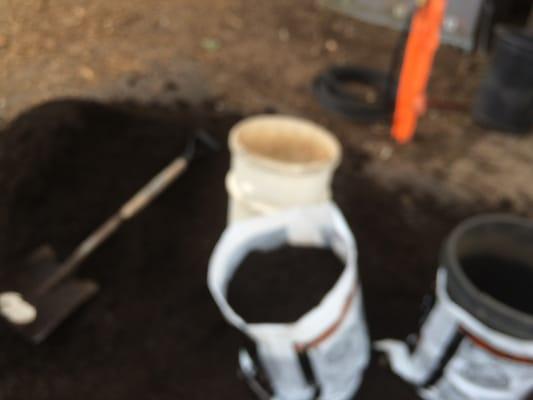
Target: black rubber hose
[(330, 87)]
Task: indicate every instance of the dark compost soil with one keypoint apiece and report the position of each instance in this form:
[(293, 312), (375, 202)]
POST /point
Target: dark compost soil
[(509, 281), (281, 285), (153, 331)]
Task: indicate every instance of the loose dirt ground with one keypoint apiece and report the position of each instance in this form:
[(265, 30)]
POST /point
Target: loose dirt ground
[(253, 56)]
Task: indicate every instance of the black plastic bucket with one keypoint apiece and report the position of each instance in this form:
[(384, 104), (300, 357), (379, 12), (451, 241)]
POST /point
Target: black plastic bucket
[(505, 98), (489, 260)]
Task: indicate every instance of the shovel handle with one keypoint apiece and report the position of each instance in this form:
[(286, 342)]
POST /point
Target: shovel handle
[(136, 204), (153, 189)]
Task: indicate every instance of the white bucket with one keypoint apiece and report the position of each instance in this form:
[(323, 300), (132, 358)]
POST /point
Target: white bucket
[(325, 352), (474, 345), (279, 162)]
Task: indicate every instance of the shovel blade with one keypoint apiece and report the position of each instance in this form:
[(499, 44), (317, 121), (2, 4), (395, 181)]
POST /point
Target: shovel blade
[(54, 307), (28, 277)]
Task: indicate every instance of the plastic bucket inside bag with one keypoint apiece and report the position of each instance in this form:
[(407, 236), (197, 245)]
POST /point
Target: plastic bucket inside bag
[(477, 341), (279, 162), (324, 353)]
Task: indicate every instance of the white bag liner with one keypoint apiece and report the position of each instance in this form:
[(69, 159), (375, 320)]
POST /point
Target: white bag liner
[(459, 358), (333, 335)]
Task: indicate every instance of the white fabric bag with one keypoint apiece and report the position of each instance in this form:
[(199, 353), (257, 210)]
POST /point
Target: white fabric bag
[(457, 357), (324, 353)]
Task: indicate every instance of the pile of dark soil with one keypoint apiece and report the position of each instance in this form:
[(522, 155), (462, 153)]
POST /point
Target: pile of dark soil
[(154, 332), (283, 284)]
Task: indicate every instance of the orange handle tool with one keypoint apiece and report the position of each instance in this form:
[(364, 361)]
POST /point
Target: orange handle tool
[(421, 47)]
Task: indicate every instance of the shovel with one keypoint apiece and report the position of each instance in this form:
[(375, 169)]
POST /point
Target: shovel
[(37, 297)]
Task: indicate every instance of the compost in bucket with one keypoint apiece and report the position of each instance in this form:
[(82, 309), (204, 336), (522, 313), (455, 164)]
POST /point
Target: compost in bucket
[(508, 281), (281, 285)]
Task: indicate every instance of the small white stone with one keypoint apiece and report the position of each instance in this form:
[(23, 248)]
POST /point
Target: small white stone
[(87, 73), (385, 153), (331, 45)]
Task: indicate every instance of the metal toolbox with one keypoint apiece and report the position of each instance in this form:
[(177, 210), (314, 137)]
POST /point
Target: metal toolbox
[(460, 24)]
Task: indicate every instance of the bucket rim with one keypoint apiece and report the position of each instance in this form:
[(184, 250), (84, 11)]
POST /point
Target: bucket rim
[(296, 168), (487, 309)]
